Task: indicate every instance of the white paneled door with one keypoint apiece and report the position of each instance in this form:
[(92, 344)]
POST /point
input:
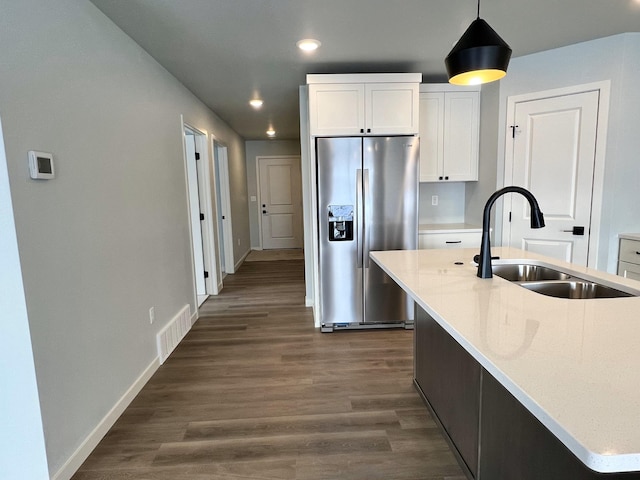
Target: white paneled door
[(280, 202), (194, 211), (554, 147)]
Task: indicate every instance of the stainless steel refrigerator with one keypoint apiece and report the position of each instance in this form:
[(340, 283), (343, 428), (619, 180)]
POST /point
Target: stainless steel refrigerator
[(367, 201)]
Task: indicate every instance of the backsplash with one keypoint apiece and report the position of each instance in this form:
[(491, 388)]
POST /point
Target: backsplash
[(450, 208)]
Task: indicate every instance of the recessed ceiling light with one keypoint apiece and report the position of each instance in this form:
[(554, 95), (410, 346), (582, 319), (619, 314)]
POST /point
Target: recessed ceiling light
[(271, 132), (308, 44), (256, 103)]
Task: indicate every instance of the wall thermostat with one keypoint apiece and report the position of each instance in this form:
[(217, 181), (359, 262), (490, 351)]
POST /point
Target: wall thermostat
[(41, 165)]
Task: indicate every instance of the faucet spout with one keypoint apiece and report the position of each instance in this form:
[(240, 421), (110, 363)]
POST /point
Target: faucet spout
[(537, 221)]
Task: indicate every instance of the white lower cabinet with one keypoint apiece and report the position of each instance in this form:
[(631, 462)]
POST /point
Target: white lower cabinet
[(439, 237), (629, 256)]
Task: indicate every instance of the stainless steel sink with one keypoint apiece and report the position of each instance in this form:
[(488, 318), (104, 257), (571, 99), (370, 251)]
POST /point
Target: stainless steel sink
[(580, 289), (546, 280), (528, 273)]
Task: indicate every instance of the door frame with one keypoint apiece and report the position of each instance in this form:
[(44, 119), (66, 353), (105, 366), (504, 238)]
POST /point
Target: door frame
[(207, 208), (604, 90), (259, 193)]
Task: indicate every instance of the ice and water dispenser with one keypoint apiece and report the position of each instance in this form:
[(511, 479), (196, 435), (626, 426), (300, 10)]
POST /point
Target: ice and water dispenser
[(340, 223)]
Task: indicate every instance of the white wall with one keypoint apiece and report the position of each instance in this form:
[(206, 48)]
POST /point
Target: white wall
[(109, 237), (239, 200), (615, 58), (477, 193), (258, 148)]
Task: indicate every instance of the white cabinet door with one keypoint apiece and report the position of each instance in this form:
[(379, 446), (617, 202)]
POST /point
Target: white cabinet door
[(336, 109), (461, 130), (364, 109), (392, 108), (431, 136), (449, 136)]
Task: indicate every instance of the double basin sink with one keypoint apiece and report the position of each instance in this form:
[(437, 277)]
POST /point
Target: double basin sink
[(556, 283)]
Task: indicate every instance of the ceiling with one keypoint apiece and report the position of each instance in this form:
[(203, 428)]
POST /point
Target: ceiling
[(228, 51)]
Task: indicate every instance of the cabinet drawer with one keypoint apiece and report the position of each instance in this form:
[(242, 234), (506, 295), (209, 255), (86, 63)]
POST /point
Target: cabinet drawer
[(629, 251), (629, 270), (449, 240)]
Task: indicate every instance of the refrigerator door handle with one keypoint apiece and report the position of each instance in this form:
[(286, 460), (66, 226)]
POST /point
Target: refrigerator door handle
[(359, 218), (367, 216)]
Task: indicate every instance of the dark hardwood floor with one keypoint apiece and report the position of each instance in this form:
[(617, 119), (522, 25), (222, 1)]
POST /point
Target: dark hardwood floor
[(255, 392)]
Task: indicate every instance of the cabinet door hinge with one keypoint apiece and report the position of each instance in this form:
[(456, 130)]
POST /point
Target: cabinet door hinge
[(197, 156), (201, 216), (206, 274), (513, 130), (509, 216)]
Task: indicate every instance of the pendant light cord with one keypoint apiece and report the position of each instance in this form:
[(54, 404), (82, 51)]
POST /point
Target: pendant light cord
[(478, 8)]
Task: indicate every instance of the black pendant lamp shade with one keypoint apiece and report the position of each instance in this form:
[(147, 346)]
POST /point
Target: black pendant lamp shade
[(480, 56)]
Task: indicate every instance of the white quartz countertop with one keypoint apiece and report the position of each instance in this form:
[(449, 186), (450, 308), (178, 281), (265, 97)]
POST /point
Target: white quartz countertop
[(574, 364)]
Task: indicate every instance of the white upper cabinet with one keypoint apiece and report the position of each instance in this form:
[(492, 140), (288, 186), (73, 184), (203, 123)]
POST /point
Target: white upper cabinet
[(392, 108), (368, 104), (336, 109), (449, 133)]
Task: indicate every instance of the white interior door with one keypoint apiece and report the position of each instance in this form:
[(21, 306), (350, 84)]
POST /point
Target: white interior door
[(223, 199), (554, 149), (280, 202), (220, 223), (194, 211)]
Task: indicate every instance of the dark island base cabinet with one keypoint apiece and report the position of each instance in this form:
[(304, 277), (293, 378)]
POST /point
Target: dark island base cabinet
[(493, 435), (516, 445), (448, 378)]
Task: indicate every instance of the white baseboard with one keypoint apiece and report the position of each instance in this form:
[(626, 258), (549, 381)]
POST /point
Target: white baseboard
[(202, 299), (308, 302), (86, 447), (241, 261)]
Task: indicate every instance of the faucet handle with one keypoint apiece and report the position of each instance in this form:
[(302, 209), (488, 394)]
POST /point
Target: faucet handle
[(476, 258)]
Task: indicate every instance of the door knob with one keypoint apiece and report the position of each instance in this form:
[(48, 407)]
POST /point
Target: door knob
[(576, 231)]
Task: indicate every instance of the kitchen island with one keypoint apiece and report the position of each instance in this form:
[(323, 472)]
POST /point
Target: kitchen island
[(567, 370)]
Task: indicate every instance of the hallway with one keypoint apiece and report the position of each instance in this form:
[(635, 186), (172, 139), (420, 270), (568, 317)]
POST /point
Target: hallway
[(255, 392)]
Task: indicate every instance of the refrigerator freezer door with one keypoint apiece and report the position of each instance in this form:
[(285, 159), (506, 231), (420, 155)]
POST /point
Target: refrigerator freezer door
[(339, 163), (390, 189)]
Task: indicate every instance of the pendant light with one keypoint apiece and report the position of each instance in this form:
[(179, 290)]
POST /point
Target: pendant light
[(480, 56)]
